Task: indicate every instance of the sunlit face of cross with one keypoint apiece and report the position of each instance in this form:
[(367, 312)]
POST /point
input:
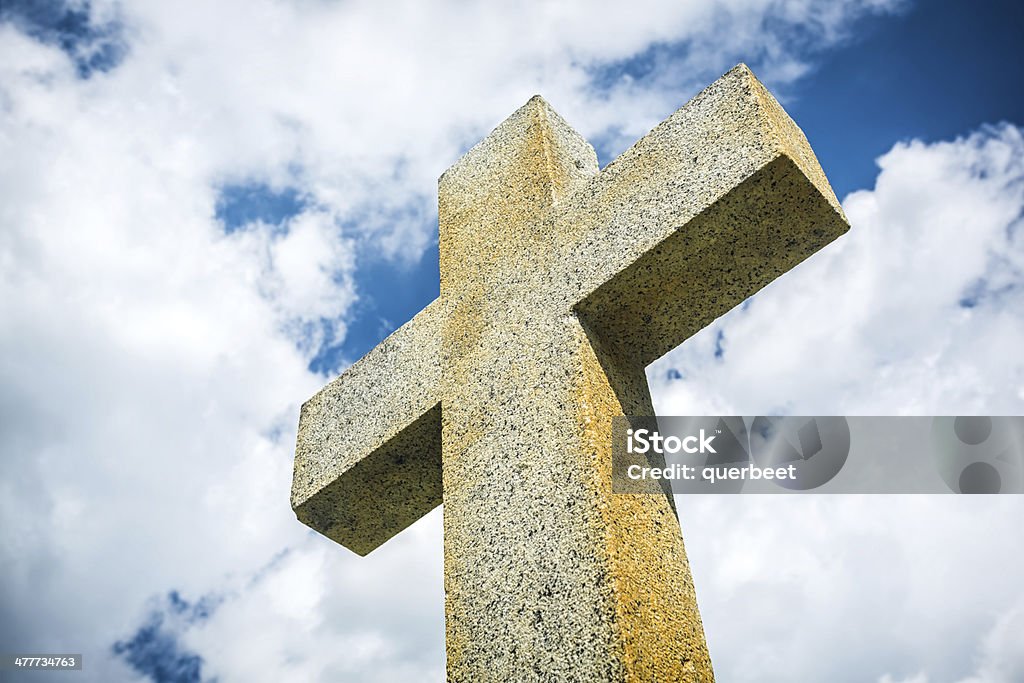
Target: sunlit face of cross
[(559, 284)]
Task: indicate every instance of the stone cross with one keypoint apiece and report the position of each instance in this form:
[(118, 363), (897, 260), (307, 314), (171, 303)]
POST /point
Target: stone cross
[(559, 284)]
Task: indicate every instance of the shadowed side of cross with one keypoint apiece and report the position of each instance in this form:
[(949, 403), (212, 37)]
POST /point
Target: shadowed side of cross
[(559, 284)]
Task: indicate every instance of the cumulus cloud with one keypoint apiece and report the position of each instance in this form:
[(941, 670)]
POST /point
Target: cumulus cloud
[(152, 357), (918, 310), (999, 657), (920, 678), (849, 588)]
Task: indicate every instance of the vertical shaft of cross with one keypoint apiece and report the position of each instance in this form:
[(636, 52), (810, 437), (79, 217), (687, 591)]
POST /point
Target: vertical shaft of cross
[(589, 585), (559, 284)]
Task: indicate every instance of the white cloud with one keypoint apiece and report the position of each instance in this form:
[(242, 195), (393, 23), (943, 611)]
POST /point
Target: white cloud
[(829, 587), (151, 366), (877, 323), (919, 678), (848, 587), (323, 615), (1000, 654)]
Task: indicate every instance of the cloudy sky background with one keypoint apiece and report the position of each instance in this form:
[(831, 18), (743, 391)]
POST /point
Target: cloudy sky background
[(208, 209)]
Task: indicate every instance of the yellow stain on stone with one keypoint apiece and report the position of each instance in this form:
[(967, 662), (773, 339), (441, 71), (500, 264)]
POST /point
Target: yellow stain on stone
[(657, 624), (559, 284)]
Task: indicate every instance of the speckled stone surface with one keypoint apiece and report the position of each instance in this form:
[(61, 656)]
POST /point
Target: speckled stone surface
[(559, 284), (368, 458)]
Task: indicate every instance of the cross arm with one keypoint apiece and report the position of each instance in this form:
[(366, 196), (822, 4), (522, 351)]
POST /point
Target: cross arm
[(709, 207), (368, 455)]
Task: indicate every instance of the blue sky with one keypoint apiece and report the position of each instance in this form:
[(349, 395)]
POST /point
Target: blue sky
[(208, 209), (930, 71)]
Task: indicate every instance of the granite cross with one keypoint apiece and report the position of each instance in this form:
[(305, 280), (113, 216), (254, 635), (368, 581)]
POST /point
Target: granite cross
[(559, 284)]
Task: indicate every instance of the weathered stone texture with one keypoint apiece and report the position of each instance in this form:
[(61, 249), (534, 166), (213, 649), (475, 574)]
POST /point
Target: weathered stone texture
[(368, 458), (559, 284)]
